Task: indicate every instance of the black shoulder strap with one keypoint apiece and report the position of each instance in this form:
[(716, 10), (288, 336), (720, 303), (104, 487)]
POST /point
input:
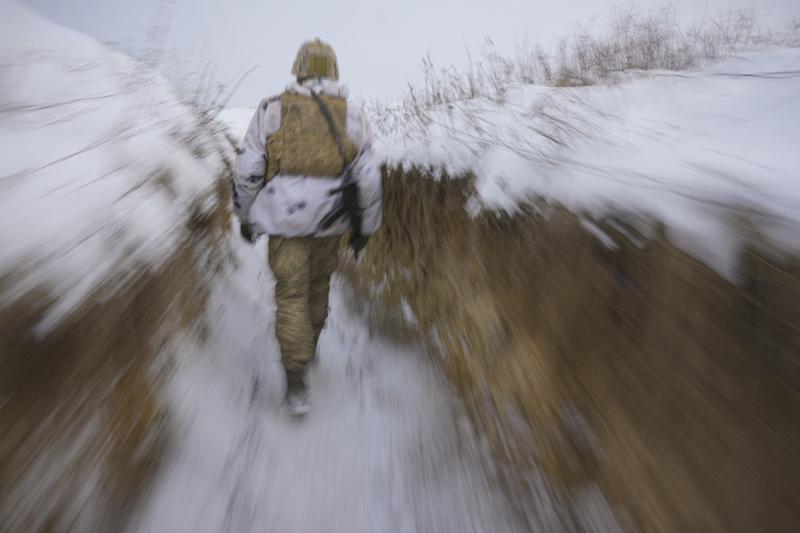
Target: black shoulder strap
[(326, 112)]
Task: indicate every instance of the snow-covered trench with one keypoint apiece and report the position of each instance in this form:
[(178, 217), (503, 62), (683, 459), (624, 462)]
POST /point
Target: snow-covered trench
[(385, 448)]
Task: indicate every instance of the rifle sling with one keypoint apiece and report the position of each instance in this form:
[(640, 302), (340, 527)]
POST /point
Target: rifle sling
[(352, 211), (326, 112)]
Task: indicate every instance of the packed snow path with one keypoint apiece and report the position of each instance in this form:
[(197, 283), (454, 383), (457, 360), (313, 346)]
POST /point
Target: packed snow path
[(384, 448)]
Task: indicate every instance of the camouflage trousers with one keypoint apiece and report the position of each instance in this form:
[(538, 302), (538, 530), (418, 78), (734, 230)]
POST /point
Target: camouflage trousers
[(302, 268)]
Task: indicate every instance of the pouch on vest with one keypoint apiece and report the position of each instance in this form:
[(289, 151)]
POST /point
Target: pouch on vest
[(303, 146)]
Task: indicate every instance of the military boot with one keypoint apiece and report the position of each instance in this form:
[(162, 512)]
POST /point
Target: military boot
[(296, 399)]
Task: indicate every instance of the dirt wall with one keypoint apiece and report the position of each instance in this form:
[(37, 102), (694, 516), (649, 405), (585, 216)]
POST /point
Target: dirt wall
[(83, 425), (637, 369)]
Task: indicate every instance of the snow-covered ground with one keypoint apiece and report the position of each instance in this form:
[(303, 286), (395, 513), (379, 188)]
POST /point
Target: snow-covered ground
[(699, 151), (100, 160), (385, 448)]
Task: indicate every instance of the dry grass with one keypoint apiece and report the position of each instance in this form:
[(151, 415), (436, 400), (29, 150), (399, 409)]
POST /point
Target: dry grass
[(632, 40), (83, 424), (638, 369)]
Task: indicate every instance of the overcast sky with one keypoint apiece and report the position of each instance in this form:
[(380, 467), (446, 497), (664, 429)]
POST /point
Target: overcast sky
[(379, 43)]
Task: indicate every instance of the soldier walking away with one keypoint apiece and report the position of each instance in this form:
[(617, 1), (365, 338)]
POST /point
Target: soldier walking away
[(305, 175)]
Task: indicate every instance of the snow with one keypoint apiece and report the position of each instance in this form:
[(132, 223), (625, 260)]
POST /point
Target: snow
[(604, 238), (237, 119), (710, 153), (385, 448), (100, 161)]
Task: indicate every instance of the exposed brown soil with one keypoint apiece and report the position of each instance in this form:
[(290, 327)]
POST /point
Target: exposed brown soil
[(83, 427), (639, 369)]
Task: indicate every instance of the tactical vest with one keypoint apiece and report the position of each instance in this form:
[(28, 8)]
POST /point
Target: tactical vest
[(303, 144)]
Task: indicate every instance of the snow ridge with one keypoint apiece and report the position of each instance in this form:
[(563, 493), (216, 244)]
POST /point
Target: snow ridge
[(101, 161), (710, 153)]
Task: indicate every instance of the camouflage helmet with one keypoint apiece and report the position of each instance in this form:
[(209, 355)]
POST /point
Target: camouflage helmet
[(316, 59)]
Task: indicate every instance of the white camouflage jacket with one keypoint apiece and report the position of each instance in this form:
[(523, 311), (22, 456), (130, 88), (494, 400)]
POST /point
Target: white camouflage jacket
[(294, 206)]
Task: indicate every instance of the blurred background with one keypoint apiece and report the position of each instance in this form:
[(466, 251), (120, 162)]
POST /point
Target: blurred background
[(582, 312)]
